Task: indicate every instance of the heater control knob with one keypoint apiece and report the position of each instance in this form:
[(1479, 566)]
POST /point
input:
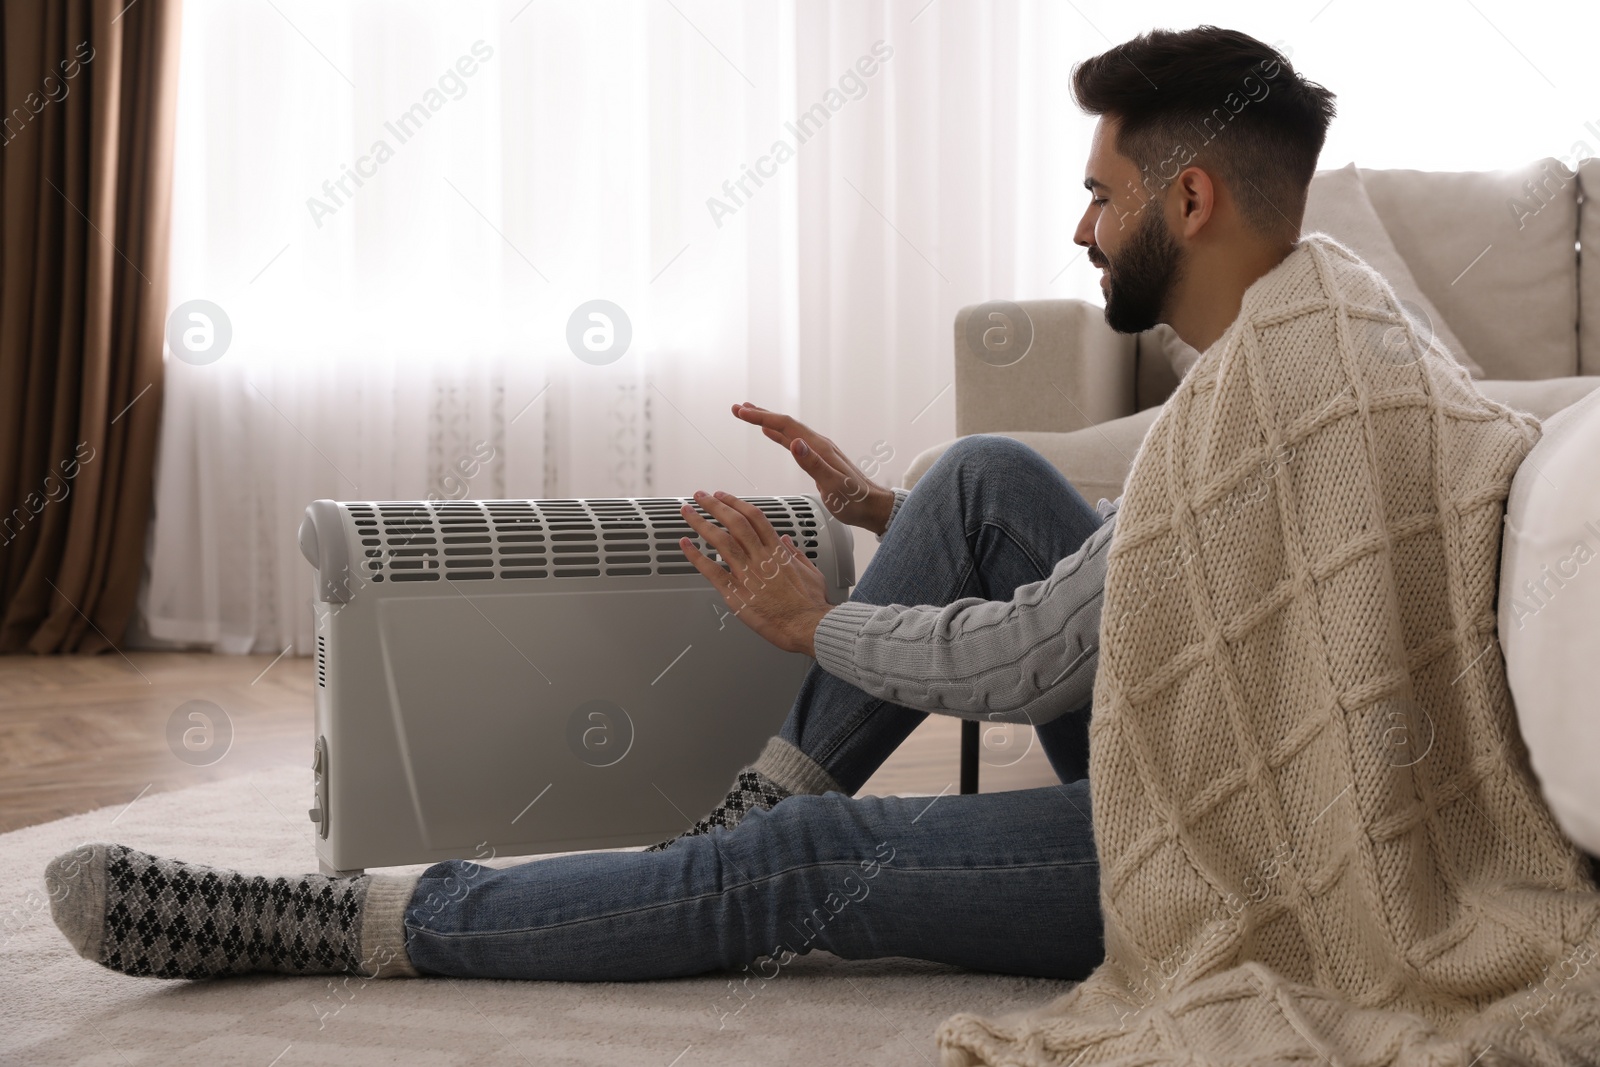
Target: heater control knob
[(318, 812)]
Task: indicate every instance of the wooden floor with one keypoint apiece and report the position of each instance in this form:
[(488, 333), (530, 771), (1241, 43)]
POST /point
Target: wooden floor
[(79, 733)]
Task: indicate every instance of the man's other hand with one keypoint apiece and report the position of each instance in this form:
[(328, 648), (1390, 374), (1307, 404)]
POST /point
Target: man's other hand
[(768, 582), (848, 494)]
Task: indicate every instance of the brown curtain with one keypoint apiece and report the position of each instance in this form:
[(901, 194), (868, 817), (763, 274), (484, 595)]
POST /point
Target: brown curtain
[(86, 173)]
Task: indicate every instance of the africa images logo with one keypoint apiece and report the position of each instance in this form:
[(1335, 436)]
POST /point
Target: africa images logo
[(406, 126), (852, 85)]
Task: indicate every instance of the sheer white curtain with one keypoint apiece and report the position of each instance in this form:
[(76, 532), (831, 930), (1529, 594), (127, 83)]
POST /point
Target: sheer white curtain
[(406, 335)]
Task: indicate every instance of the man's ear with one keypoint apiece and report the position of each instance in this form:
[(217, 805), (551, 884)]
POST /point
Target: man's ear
[(1195, 199)]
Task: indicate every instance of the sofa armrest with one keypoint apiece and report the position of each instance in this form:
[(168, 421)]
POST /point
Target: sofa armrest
[(1041, 365)]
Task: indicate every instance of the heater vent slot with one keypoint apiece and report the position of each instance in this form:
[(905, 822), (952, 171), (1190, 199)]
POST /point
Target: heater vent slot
[(322, 663), (482, 540)]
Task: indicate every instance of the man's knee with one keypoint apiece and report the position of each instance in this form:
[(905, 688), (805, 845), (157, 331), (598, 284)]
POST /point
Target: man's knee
[(981, 452), (802, 819)]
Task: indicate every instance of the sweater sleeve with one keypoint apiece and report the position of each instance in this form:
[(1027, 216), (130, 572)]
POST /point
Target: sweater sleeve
[(1027, 659), (899, 498)]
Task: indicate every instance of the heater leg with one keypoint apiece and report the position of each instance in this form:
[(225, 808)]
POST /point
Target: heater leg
[(322, 865), (969, 756)]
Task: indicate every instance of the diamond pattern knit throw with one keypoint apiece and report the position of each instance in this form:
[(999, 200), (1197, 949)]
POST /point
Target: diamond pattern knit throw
[(1320, 840)]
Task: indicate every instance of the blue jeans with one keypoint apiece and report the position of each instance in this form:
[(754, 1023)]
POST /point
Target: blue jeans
[(1006, 882)]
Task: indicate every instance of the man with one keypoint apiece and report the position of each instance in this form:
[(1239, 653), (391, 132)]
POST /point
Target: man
[(1198, 170)]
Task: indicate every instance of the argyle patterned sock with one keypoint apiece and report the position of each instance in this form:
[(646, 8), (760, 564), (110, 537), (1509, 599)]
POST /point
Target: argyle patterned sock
[(144, 915), (752, 790)]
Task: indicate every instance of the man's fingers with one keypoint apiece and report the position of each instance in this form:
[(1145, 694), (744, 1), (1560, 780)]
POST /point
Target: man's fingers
[(799, 555), (812, 462), (758, 416), (831, 471), (739, 541), (786, 430), (719, 576), (763, 419), (746, 536), (786, 426), (837, 486), (713, 535), (840, 481), (760, 525)]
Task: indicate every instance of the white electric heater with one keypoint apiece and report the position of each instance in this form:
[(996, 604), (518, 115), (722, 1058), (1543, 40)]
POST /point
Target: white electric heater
[(511, 677)]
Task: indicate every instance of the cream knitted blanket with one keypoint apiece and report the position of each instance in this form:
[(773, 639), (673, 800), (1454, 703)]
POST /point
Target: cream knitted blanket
[(1320, 840)]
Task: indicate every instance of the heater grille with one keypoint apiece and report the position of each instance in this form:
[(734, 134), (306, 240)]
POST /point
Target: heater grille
[(322, 662), (481, 540)]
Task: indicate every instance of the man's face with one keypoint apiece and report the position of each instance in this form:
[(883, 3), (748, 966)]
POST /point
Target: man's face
[(1125, 231)]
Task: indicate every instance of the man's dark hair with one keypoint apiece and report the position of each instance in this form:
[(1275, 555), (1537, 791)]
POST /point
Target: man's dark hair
[(1219, 97)]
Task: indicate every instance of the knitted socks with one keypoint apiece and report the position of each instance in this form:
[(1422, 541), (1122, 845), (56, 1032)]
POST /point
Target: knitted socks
[(751, 790), (781, 771), (144, 915)]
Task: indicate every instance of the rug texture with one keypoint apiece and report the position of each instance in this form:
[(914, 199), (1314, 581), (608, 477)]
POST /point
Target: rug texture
[(60, 1009), (1319, 836)]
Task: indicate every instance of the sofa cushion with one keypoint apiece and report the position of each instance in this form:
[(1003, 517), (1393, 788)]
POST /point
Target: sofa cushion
[(1337, 205), (1161, 365), (1540, 399), (1589, 268), (1548, 606), (1095, 459), (1494, 252), (1179, 354)]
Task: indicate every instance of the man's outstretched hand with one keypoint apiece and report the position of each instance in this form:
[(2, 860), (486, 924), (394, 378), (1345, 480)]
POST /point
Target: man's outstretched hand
[(768, 582), (850, 496)]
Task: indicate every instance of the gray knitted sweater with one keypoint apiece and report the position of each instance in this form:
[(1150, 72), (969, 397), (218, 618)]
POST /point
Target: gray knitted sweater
[(1027, 659)]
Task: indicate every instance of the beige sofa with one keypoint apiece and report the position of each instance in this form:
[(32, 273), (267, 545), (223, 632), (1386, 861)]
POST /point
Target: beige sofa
[(1491, 258)]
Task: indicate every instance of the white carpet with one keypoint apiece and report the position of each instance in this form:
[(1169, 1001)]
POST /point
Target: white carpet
[(60, 1009)]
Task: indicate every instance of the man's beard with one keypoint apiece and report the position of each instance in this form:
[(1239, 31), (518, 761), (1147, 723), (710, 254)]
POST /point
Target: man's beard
[(1144, 272)]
